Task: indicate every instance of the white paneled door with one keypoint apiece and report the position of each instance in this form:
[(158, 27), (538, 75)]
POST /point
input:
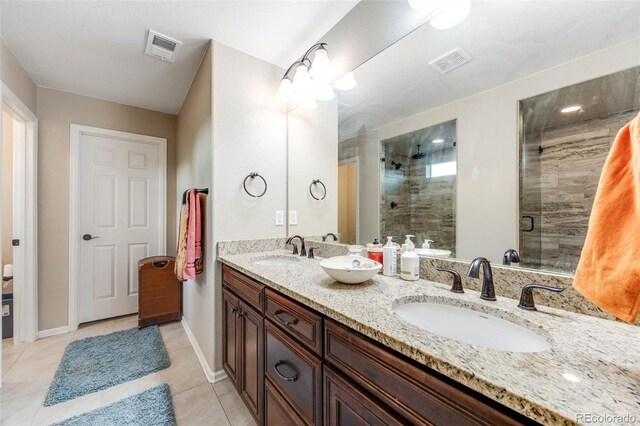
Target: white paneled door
[(119, 205)]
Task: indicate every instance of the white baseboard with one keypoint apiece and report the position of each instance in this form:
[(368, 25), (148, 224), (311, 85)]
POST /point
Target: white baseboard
[(212, 377), (53, 331), (219, 376)]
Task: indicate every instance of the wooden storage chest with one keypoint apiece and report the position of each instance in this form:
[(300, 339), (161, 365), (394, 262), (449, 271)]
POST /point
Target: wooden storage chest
[(160, 292)]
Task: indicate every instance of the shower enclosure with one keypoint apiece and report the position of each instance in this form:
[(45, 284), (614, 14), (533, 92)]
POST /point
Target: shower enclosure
[(564, 141), (418, 186)]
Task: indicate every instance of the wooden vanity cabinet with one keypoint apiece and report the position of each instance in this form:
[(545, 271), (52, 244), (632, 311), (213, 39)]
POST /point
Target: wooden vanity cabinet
[(243, 338), (293, 366)]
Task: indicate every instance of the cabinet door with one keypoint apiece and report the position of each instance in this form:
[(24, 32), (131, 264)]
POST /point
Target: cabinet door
[(230, 336), (251, 359), (277, 412), (347, 405)]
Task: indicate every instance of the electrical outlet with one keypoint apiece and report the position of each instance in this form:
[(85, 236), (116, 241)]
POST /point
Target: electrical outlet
[(293, 217), (279, 218)]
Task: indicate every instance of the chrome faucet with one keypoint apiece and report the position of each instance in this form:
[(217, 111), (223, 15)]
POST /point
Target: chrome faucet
[(510, 255), (303, 251), (488, 291), (330, 234)]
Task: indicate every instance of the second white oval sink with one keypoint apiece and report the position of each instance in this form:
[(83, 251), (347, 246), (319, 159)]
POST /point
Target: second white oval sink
[(473, 327), (276, 261)]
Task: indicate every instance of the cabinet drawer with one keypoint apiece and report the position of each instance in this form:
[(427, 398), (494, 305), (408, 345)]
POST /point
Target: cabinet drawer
[(295, 372), (300, 321), (277, 410), (248, 289), (346, 405), (418, 396)]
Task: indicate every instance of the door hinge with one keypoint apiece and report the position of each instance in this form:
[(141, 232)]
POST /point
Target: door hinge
[(15, 243)]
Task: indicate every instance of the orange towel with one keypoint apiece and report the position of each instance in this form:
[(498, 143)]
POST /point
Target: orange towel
[(608, 273)]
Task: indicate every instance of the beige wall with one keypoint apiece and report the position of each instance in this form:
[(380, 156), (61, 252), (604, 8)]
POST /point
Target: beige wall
[(194, 169), (14, 76), (56, 111), (7, 194)]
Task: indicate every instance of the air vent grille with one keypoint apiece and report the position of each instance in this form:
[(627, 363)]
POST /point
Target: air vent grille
[(162, 47), (450, 61)]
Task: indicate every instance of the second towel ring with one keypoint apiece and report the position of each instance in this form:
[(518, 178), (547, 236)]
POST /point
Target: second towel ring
[(315, 182), (252, 176)]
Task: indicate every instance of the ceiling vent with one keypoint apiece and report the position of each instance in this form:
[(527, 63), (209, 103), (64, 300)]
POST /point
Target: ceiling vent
[(162, 47), (450, 61)]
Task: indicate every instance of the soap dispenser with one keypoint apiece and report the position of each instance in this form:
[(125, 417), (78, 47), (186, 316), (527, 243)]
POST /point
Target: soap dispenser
[(389, 260), (409, 262)]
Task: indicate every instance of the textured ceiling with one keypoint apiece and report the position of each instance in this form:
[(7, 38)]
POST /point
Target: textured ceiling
[(507, 40), (96, 48)]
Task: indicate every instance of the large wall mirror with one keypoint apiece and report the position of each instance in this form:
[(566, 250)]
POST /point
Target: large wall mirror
[(484, 137)]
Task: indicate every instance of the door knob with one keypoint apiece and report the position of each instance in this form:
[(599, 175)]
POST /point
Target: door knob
[(88, 237)]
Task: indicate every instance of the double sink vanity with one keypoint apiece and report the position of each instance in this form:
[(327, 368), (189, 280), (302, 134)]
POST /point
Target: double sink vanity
[(302, 348)]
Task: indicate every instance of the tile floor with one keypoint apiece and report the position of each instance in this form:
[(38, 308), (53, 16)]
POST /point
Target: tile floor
[(27, 371)]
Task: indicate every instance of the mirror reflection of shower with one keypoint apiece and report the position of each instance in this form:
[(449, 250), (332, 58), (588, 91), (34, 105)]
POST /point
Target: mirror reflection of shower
[(565, 139), (418, 186)]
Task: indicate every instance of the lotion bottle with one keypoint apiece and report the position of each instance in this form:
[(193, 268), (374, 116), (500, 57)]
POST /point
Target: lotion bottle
[(409, 262), (389, 261)]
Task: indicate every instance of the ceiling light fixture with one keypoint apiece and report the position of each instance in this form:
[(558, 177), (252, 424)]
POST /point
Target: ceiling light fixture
[(437, 140), (307, 80), (571, 108), (444, 13)]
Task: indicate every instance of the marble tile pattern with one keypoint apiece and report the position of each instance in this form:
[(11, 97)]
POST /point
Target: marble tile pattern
[(596, 355), (558, 187), (424, 207)]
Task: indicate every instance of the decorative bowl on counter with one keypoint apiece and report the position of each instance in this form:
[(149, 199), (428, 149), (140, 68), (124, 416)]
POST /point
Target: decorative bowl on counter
[(350, 269), (443, 254)]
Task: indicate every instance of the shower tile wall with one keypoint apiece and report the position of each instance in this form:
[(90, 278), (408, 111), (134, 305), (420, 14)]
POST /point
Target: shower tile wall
[(559, 186), (425, 206)]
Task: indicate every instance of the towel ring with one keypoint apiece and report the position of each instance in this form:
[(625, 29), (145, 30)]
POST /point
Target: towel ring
[(315, 182), (252, 176)]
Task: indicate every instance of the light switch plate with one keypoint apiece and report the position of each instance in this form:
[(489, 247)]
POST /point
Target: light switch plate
[(279, 218), (293, 217)]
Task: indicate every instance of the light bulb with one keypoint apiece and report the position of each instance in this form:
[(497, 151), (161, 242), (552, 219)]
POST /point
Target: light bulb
[(571, 108), (309, 104), (321, 65), (301, 80), (285, 91), (326, 93), (437, 140), (453, 12), (346, 82)]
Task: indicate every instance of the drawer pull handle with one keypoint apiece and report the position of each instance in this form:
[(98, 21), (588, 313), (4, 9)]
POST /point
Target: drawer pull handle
[(277, 314), (286, 378)]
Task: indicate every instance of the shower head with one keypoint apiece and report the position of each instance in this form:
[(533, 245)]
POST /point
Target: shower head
[(419, 155)]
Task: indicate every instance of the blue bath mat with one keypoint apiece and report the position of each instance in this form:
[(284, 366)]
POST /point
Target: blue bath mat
[(99, 362), (151, 407)]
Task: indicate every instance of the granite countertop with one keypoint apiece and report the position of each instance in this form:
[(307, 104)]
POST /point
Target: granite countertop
[(592, 368)]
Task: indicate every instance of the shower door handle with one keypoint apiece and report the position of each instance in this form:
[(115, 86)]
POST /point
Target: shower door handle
[(532, 223)]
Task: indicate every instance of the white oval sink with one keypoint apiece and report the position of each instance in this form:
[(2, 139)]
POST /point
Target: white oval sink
[(472, 327), (350, 269), (433, 253), (276, 261)]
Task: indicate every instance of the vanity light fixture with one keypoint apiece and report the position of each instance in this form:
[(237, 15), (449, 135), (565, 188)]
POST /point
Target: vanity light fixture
[(571, 108), (346, 82), (444, 13), (307, 80), (437, 140)]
